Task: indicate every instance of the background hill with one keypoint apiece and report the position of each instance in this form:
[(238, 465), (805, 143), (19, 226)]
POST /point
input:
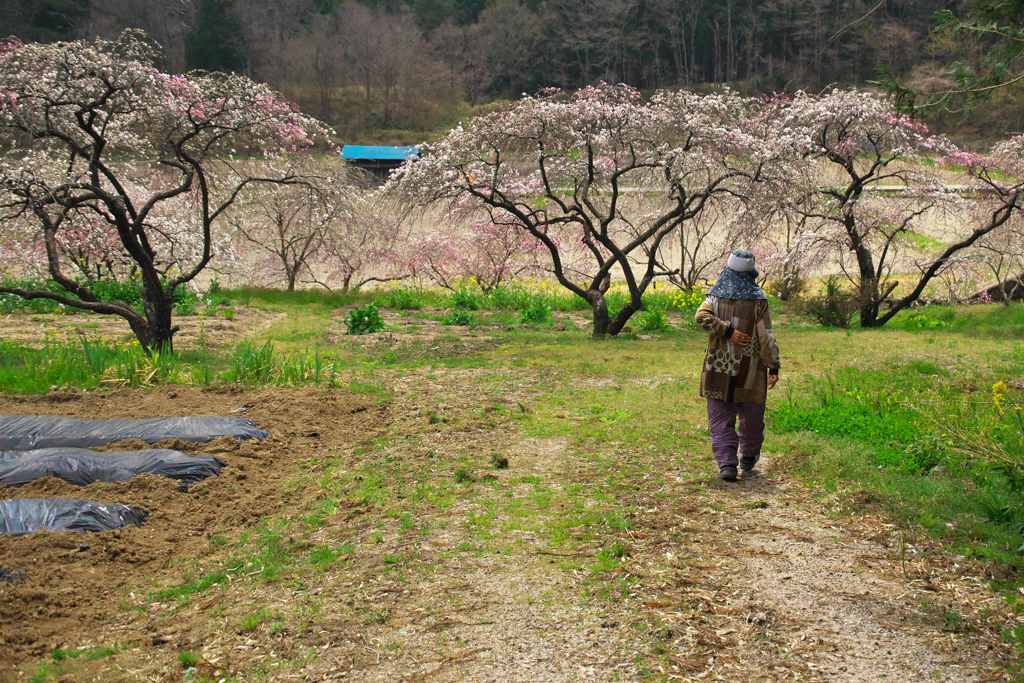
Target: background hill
[(392, 70)]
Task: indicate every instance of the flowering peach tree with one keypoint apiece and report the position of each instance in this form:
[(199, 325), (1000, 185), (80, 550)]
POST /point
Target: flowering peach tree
[(869, 185), (488, 254), (285, 227), (369, 242), (108, 162), (571, 173)]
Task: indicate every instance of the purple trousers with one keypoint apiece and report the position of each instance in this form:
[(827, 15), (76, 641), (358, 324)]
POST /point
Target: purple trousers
[(725, 441)]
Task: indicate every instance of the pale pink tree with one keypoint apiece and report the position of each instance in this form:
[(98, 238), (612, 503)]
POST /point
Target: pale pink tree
[(369, 241), (485, 253), (559, 168), (96, 130), (886, 189), (285, 228), (328, 226), (1000, 178)]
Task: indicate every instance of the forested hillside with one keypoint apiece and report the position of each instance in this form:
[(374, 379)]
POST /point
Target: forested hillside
[(417, 64)]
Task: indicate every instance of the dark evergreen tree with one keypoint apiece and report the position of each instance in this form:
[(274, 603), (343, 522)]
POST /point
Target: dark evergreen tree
[(50, 20), (217, 42)]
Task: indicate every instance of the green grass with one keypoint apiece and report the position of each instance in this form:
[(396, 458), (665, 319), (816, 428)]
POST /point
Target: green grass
[(89, 654), (908, 439), (193, 586), (187, 659), (90, 365), (252, 621), (283, 300), (992, 320)]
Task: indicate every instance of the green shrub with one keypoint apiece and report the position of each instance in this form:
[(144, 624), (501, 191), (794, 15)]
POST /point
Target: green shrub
[(466, 299), (512, 298), (364, 320), (215, 295), (786, 288), (930, 318), (460, 317), (536, 312), (834, 308), (186, 308)]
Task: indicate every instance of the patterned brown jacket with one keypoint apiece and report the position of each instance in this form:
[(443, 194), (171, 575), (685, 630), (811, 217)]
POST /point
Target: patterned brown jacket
[(731, 372)]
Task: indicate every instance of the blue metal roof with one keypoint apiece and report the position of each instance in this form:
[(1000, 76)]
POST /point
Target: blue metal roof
[(379, 152)]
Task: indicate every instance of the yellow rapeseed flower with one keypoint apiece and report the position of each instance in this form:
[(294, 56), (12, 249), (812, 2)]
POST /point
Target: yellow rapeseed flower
[(999, 396)]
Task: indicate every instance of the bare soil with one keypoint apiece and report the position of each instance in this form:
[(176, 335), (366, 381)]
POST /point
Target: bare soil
[(75, 583)]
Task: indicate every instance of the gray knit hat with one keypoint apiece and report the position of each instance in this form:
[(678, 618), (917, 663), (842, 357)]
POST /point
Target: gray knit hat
[(741, 260)]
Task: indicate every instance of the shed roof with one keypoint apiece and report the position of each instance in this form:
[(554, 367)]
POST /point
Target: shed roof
[(379, 152)]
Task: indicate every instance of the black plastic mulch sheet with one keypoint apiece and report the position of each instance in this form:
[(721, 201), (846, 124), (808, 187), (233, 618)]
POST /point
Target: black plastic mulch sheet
[(56, 514), (11, 575), (27, 432), (80, 466)]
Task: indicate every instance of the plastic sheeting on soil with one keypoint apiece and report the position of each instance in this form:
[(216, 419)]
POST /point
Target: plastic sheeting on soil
[(11, 575), (80, 466), (57, 514), (27, 432)]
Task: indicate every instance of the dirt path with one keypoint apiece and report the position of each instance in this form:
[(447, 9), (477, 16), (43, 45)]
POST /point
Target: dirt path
[(834, 614), (773, 589), (762, 587)]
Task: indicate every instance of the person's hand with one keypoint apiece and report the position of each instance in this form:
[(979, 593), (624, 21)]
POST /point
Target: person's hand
[(772, 381), (740, 338)]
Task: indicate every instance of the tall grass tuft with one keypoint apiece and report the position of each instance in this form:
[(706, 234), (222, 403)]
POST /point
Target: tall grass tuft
[(89, 365)]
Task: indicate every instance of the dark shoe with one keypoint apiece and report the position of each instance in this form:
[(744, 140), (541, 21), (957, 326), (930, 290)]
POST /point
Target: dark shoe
[(747, 464), (727, 474)]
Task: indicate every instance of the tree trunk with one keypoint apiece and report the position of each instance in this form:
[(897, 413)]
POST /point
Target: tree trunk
[(619, 323), (868, 300), (157, 333), (599, 305), (867, 296)]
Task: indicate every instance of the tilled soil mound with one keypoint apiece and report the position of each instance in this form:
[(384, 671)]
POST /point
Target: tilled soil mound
[(67, 584)]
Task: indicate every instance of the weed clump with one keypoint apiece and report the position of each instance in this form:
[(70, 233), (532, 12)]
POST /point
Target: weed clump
[(402, 299), (188, 659), (364, 320), (536, 312), (460, 317)]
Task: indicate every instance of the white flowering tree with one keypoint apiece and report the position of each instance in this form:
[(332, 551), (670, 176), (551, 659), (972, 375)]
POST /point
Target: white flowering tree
[(96, 139), (870, 185), (570, 172)]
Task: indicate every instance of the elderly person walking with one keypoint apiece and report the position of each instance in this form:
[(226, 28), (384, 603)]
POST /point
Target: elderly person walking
[(741, 364)]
